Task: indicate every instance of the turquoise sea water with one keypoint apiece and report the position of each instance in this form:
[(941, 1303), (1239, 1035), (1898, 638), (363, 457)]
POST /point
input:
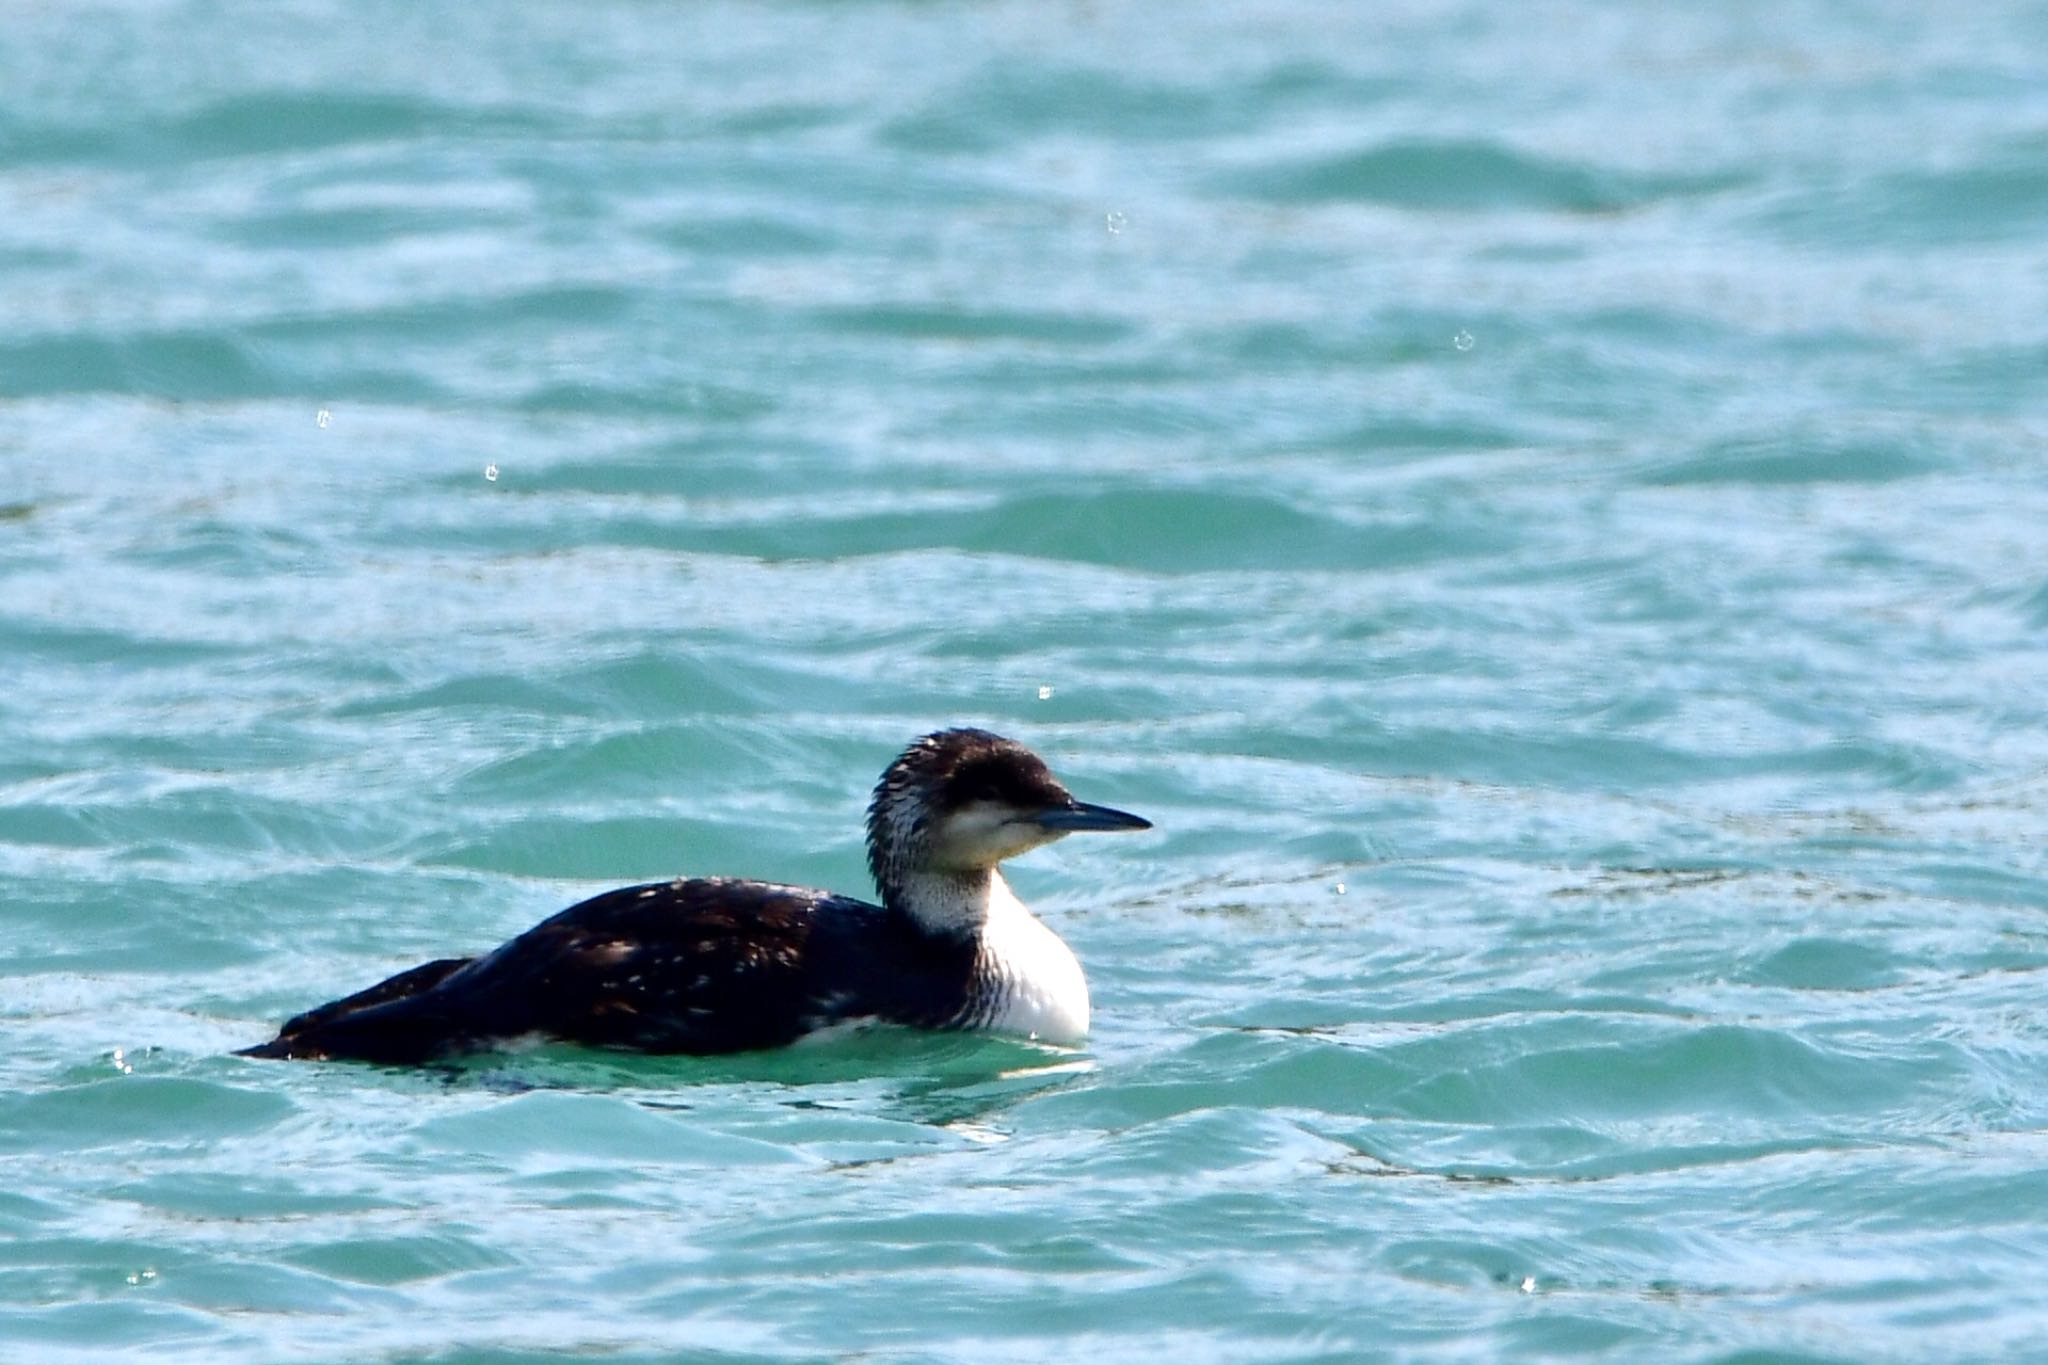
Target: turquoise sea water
[(1544, 506)]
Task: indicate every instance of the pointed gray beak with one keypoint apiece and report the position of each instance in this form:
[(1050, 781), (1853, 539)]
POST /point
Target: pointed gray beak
[(1082, 816)]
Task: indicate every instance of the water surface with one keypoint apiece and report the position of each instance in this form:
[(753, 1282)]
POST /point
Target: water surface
[(1542, 506)]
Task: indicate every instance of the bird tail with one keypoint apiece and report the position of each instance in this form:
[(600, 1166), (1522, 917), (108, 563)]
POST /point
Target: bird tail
[(277, 1049), (398, 1020), (399, 1034)]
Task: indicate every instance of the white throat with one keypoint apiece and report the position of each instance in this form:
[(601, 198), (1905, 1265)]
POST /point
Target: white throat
[(1035, 985), (951, 904)]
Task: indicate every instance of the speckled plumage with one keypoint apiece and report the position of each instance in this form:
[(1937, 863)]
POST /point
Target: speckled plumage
[(707, 965)]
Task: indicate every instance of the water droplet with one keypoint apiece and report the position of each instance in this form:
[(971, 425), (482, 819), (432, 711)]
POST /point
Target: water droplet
[(1045, 692), (1463, 340), (491, 472), (322, 418), (1114, 221)]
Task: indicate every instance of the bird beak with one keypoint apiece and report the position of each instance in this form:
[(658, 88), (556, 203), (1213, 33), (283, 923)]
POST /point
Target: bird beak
[(1082, 816)]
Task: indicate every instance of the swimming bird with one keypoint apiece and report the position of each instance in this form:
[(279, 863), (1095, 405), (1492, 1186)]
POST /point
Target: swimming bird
[(708, 965)]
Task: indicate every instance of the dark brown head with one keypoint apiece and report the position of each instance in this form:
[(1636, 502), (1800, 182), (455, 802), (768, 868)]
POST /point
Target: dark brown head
[(964, 800)]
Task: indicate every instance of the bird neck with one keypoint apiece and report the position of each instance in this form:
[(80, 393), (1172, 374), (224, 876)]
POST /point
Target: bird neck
[(949, 903)]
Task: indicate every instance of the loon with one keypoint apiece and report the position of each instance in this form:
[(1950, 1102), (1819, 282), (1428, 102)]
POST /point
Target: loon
[(711, 965)]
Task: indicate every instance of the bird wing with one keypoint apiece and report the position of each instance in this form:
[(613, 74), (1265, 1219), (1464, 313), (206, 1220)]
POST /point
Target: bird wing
[(701, 965)]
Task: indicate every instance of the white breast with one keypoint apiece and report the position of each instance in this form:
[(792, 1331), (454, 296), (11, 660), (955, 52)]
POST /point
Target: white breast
[(1040, 991)]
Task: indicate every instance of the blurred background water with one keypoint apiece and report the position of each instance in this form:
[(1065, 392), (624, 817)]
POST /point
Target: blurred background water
[(1542, 504)]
